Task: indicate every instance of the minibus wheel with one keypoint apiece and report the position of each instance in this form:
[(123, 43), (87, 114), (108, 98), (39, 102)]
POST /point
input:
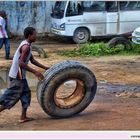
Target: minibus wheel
[(81, 35), (40, 51), (120, 41), (68, 88)]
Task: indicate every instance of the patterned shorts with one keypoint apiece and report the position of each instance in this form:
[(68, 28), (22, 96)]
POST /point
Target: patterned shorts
[(18, 90)]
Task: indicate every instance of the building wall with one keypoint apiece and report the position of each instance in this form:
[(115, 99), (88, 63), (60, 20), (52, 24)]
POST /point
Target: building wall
[(27, 13)]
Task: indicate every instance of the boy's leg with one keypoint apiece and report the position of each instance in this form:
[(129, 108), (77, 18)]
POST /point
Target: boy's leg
[(2, 108), (24, 117), (24, 113), (7, 48), (25, 101), (11, 96), (1, 42)]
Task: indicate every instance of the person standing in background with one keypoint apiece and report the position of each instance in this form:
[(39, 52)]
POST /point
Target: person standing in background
[(4, 40)]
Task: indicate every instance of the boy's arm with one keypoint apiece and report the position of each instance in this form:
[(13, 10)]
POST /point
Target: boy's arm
[(35, 62), (24, 53)]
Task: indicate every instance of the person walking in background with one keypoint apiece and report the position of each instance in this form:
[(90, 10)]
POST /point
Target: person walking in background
[(4, 40)]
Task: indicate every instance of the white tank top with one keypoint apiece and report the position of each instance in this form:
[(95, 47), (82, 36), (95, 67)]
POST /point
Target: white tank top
[(15, 63), (3, 24)]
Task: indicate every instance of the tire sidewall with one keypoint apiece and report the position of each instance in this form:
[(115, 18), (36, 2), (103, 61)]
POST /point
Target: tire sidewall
[(120, 40), (40, 51), (48, 102)]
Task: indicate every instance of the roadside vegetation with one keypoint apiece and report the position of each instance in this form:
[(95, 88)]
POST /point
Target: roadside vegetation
[(100, 49)]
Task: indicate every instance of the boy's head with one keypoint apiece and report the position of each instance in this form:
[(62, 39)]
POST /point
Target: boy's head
[(30, 34)]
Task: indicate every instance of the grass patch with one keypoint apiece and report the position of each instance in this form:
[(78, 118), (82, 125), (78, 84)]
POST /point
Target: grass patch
[(100, 49)]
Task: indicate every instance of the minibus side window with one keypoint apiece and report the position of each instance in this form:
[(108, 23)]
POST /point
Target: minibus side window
[(129, 5), (91, 6), (112, 6)]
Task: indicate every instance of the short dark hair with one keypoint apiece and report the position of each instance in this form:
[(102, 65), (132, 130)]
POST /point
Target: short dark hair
[(28, 31), (3, 14)]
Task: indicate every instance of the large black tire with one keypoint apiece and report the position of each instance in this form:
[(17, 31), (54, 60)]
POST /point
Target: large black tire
[(120, 41), (74, 103), (40, 51), (81, 36)]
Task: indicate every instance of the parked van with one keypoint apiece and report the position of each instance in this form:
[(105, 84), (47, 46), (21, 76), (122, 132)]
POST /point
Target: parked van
[(83, 20), (136, 36)]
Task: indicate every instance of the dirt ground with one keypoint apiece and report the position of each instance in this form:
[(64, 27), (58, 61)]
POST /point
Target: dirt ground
[(108, 111)]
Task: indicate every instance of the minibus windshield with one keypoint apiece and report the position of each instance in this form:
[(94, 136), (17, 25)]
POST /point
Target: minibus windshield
[(58, 10)]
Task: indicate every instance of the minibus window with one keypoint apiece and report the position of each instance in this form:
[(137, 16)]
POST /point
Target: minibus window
[(74, 8), (90, 6), (111, 6), (130, 5), (58, 10)]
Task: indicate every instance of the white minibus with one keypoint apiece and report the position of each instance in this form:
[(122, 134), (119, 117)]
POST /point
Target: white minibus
[(83, 20)]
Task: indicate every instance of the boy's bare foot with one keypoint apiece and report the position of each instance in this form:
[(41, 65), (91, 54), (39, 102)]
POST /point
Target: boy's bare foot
[(25, 120)]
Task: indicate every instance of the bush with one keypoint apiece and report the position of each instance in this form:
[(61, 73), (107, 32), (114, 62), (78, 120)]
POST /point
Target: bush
[(100, 49)]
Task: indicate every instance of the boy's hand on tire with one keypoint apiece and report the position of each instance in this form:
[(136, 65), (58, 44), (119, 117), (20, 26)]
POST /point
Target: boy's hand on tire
[(39, 76)]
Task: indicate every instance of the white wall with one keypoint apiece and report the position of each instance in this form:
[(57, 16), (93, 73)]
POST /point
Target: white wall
[(27, 13)]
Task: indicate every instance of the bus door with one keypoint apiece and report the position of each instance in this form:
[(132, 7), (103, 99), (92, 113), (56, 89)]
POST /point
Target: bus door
[(95, 16), (112, 18)]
